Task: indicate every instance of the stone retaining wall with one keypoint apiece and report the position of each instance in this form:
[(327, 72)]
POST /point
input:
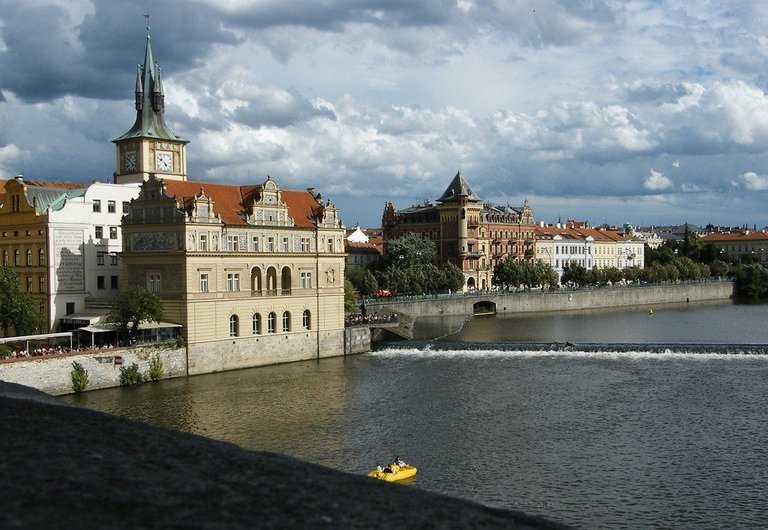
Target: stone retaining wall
[(545, 301), (51, 374)]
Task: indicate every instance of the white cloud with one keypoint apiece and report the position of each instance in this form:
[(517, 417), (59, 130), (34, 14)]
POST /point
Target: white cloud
[(754, 182), (656, 181)]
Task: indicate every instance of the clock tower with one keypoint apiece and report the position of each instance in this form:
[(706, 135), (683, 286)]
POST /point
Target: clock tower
[(150, 146)]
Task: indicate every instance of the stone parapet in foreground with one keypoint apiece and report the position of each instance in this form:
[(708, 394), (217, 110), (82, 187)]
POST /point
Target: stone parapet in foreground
[(67, 467)]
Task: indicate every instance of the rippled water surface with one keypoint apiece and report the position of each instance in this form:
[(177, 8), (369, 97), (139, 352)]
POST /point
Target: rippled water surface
[(593, 437)]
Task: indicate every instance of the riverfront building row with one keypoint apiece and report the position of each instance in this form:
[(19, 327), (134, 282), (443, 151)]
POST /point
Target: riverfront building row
[(475, 236), (253, 274)]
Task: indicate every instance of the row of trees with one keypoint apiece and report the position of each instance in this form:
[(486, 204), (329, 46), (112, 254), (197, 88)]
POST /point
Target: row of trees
[(409, 266)]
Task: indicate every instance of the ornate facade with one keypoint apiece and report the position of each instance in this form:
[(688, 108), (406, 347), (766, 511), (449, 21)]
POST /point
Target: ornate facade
[(254, 274), (469, 233)]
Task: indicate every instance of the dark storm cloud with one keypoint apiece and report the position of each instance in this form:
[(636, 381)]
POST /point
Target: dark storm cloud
[(50, 55), (333, 16)]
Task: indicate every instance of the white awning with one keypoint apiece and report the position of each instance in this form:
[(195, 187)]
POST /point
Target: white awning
[(106, 328), (44, 336)]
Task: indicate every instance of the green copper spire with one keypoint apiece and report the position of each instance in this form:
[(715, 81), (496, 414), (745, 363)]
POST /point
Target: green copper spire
[(149, 102)]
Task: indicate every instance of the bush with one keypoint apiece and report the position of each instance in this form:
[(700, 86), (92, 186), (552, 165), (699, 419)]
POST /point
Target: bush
[(79, 377), (155, 372), (130, 375)]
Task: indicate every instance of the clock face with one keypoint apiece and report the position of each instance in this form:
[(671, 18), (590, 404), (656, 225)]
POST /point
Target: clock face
[(163, 161), (130, 161)]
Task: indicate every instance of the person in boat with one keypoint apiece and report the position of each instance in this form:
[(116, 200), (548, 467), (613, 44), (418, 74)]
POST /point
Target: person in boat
[(399, 462), (389, 469), (379, 468)]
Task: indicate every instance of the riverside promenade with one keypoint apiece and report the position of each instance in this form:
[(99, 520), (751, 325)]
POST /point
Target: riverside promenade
[(409, 308)]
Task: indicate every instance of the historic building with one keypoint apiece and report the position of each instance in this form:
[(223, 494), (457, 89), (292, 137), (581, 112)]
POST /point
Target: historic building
[(64, 241), (737, 244), (469, 233), (574, 244), (363, 247), (254, 273)]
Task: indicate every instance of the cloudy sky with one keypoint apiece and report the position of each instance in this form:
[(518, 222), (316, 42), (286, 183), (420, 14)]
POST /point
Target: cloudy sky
[(648, 112)]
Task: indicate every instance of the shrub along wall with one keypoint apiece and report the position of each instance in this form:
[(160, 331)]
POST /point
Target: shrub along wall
[(52, 374)]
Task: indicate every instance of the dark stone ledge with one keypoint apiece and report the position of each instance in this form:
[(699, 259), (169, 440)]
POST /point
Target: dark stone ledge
[(68, 467)]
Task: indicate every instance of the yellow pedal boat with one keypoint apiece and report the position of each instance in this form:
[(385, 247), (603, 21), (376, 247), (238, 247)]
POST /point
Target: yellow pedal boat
[(398, 473)]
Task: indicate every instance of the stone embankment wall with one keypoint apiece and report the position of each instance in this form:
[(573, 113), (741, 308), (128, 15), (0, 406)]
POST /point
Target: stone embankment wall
[(357, 339), (52, 374), (545, 301)]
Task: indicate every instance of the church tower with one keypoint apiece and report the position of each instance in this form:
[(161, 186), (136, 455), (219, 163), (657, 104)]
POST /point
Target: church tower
[(150, 146)]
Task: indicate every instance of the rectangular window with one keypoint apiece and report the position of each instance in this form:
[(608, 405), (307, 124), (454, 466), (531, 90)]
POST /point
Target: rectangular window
[(99, 232), (70, 308), (204, 242), (330, 244), (112, 232), (153, 283), (231, 243), (305, 244), (306, 280), (233, 281), (29, 284), (284, 245), (41, 257), (270, 244), (100, 256), (126, 206), (100, 282), (113, 282), (255, 243), (96, 205), (113, 258), (42, 309), (204, 283), (111, 207), (29, 258), (41, 284)]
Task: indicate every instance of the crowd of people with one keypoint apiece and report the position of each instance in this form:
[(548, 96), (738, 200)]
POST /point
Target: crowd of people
[(43, 351), (359, 319)]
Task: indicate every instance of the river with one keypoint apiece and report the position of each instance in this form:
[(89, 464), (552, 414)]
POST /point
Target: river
[(597, 419)]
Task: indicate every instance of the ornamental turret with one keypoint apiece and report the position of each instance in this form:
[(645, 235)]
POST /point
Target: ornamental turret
[(149, 146)]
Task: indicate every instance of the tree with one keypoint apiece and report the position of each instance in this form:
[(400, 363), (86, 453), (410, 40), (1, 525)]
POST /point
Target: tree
[(752, 281), (350, 297), (131, 306), (409, 250), (453, 278), (18, 310)]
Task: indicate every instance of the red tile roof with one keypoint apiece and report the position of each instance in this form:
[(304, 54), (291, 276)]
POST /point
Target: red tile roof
[(735, 237), (232, 202)]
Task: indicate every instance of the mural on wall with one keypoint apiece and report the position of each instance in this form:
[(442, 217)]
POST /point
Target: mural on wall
[(68, 252)]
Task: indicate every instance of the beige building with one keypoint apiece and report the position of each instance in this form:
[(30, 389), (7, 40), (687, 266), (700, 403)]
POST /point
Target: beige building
[(254, 274)]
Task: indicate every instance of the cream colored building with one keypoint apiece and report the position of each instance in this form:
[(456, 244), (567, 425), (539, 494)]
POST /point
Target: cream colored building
[(254, 274)]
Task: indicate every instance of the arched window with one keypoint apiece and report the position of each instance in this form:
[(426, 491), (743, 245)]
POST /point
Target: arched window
[(29, 257), (5, 257), (256, 324), (233, 326), (271, 322), (286, 322), (285, 280), (256, 280), (41, 257), (271, 280), (306, 319), (16, 257)]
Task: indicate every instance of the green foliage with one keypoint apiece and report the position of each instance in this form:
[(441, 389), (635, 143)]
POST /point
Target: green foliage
[(409, 250), (751, 281), (513, 273), (18, 310), (179, 342), (577, 274), (453, 278), (156, 370), (130, 375), (350, 297), (79, 377), (133, 305), (719, 268)]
